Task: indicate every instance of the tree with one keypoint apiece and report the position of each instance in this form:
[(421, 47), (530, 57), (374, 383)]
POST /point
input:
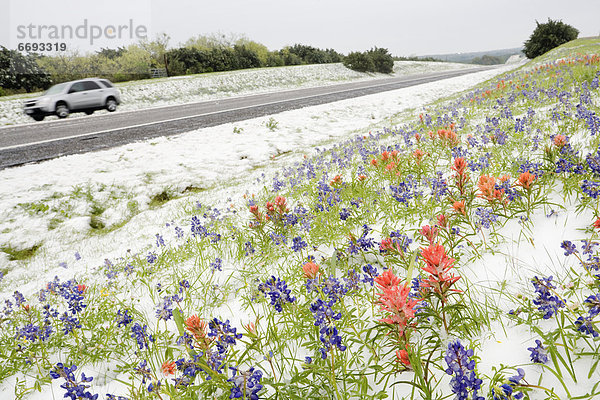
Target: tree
[(359, 61), (547, 36), (18, 71), (382, 60)]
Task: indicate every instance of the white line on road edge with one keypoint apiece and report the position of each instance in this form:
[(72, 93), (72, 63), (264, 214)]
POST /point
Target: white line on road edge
[(17, 146)]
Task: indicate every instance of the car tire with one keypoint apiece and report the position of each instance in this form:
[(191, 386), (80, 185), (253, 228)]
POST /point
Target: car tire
[(38, 117), (89, 112), (62, 111), (111, 104)]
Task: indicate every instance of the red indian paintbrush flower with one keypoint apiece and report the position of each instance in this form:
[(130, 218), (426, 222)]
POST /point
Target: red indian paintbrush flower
[(429, 232), (310, 270), (459, 207), (394, 301), (597, 224), (438, 265), (526, 179), (560, 140), (196, 326), (168, 368)]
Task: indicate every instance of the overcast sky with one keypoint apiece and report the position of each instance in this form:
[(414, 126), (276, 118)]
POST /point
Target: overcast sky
[(405, 27)]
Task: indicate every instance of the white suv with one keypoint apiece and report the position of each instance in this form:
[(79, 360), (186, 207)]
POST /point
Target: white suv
[(84, 95)]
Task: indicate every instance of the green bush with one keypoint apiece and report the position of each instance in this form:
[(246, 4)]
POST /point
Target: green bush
[(18, 71), (359, 61), (382, 60), (374, 60), (547, 36)]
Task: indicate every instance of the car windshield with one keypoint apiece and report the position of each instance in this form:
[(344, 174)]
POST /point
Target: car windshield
[(55, 89)]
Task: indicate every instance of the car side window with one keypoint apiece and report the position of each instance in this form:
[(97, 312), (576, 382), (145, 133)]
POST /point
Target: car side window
[(77, 87), (90, 85), (106, 83)]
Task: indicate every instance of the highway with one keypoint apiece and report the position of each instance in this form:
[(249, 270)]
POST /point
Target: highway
[(22, 144)]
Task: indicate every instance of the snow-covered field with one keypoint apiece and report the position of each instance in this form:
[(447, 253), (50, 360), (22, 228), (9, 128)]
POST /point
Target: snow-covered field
[(87, 211), (51, 203), (188, 89)]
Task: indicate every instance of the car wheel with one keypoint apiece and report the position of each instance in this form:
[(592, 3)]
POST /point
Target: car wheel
[(111, 104), (62, 111), (38, 117), (89, 112)]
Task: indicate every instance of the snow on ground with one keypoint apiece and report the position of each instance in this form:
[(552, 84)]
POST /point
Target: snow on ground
[(51, 203), (187, 89)]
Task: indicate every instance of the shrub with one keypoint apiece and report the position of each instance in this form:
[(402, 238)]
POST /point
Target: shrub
[(20, 71), (547, 36), (359, 61), (382, 60), (374, 60)]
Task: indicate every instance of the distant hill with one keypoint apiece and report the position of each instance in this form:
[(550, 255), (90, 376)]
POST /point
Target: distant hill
[(479, 57)]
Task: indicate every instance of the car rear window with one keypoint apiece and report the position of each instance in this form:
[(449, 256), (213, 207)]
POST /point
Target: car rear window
[(90, 85), (106, 83)]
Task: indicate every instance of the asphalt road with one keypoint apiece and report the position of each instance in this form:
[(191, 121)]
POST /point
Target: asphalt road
[(40, 141)]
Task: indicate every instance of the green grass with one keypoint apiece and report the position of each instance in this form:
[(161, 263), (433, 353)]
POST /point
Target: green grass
[(15, 254)]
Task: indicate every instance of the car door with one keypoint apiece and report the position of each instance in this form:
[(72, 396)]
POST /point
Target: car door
[(93, 94), (76, 96)]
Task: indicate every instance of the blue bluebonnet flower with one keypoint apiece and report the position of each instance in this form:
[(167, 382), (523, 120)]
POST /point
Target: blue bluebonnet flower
[(298, 243), (486, 217), (509, 389), (539, 354), (184, 285), (216, 265), (138, 333), (344, 214), (77, 256), (178, 232), (164, 310), (588, 246), (363, 243), (406, 190), (70, 291), (438, 186), (370, 274), (151, 258), (248, 249), (352, 280), (506, 187), (160, 242), (278, 239), (593, 303), (19, 298), (532, 168), (483, 162), (246, 385), (225, 337), (189, 368), (569, 247), (585, 325), (547, 302), (462, 367), (154, 386), (324, 319), (114, 397), (69, 323), (143, 370), (123, 318), (591, 188), (197, 228), (308, 360), (76, 390), (34, 332), (278, 292)]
